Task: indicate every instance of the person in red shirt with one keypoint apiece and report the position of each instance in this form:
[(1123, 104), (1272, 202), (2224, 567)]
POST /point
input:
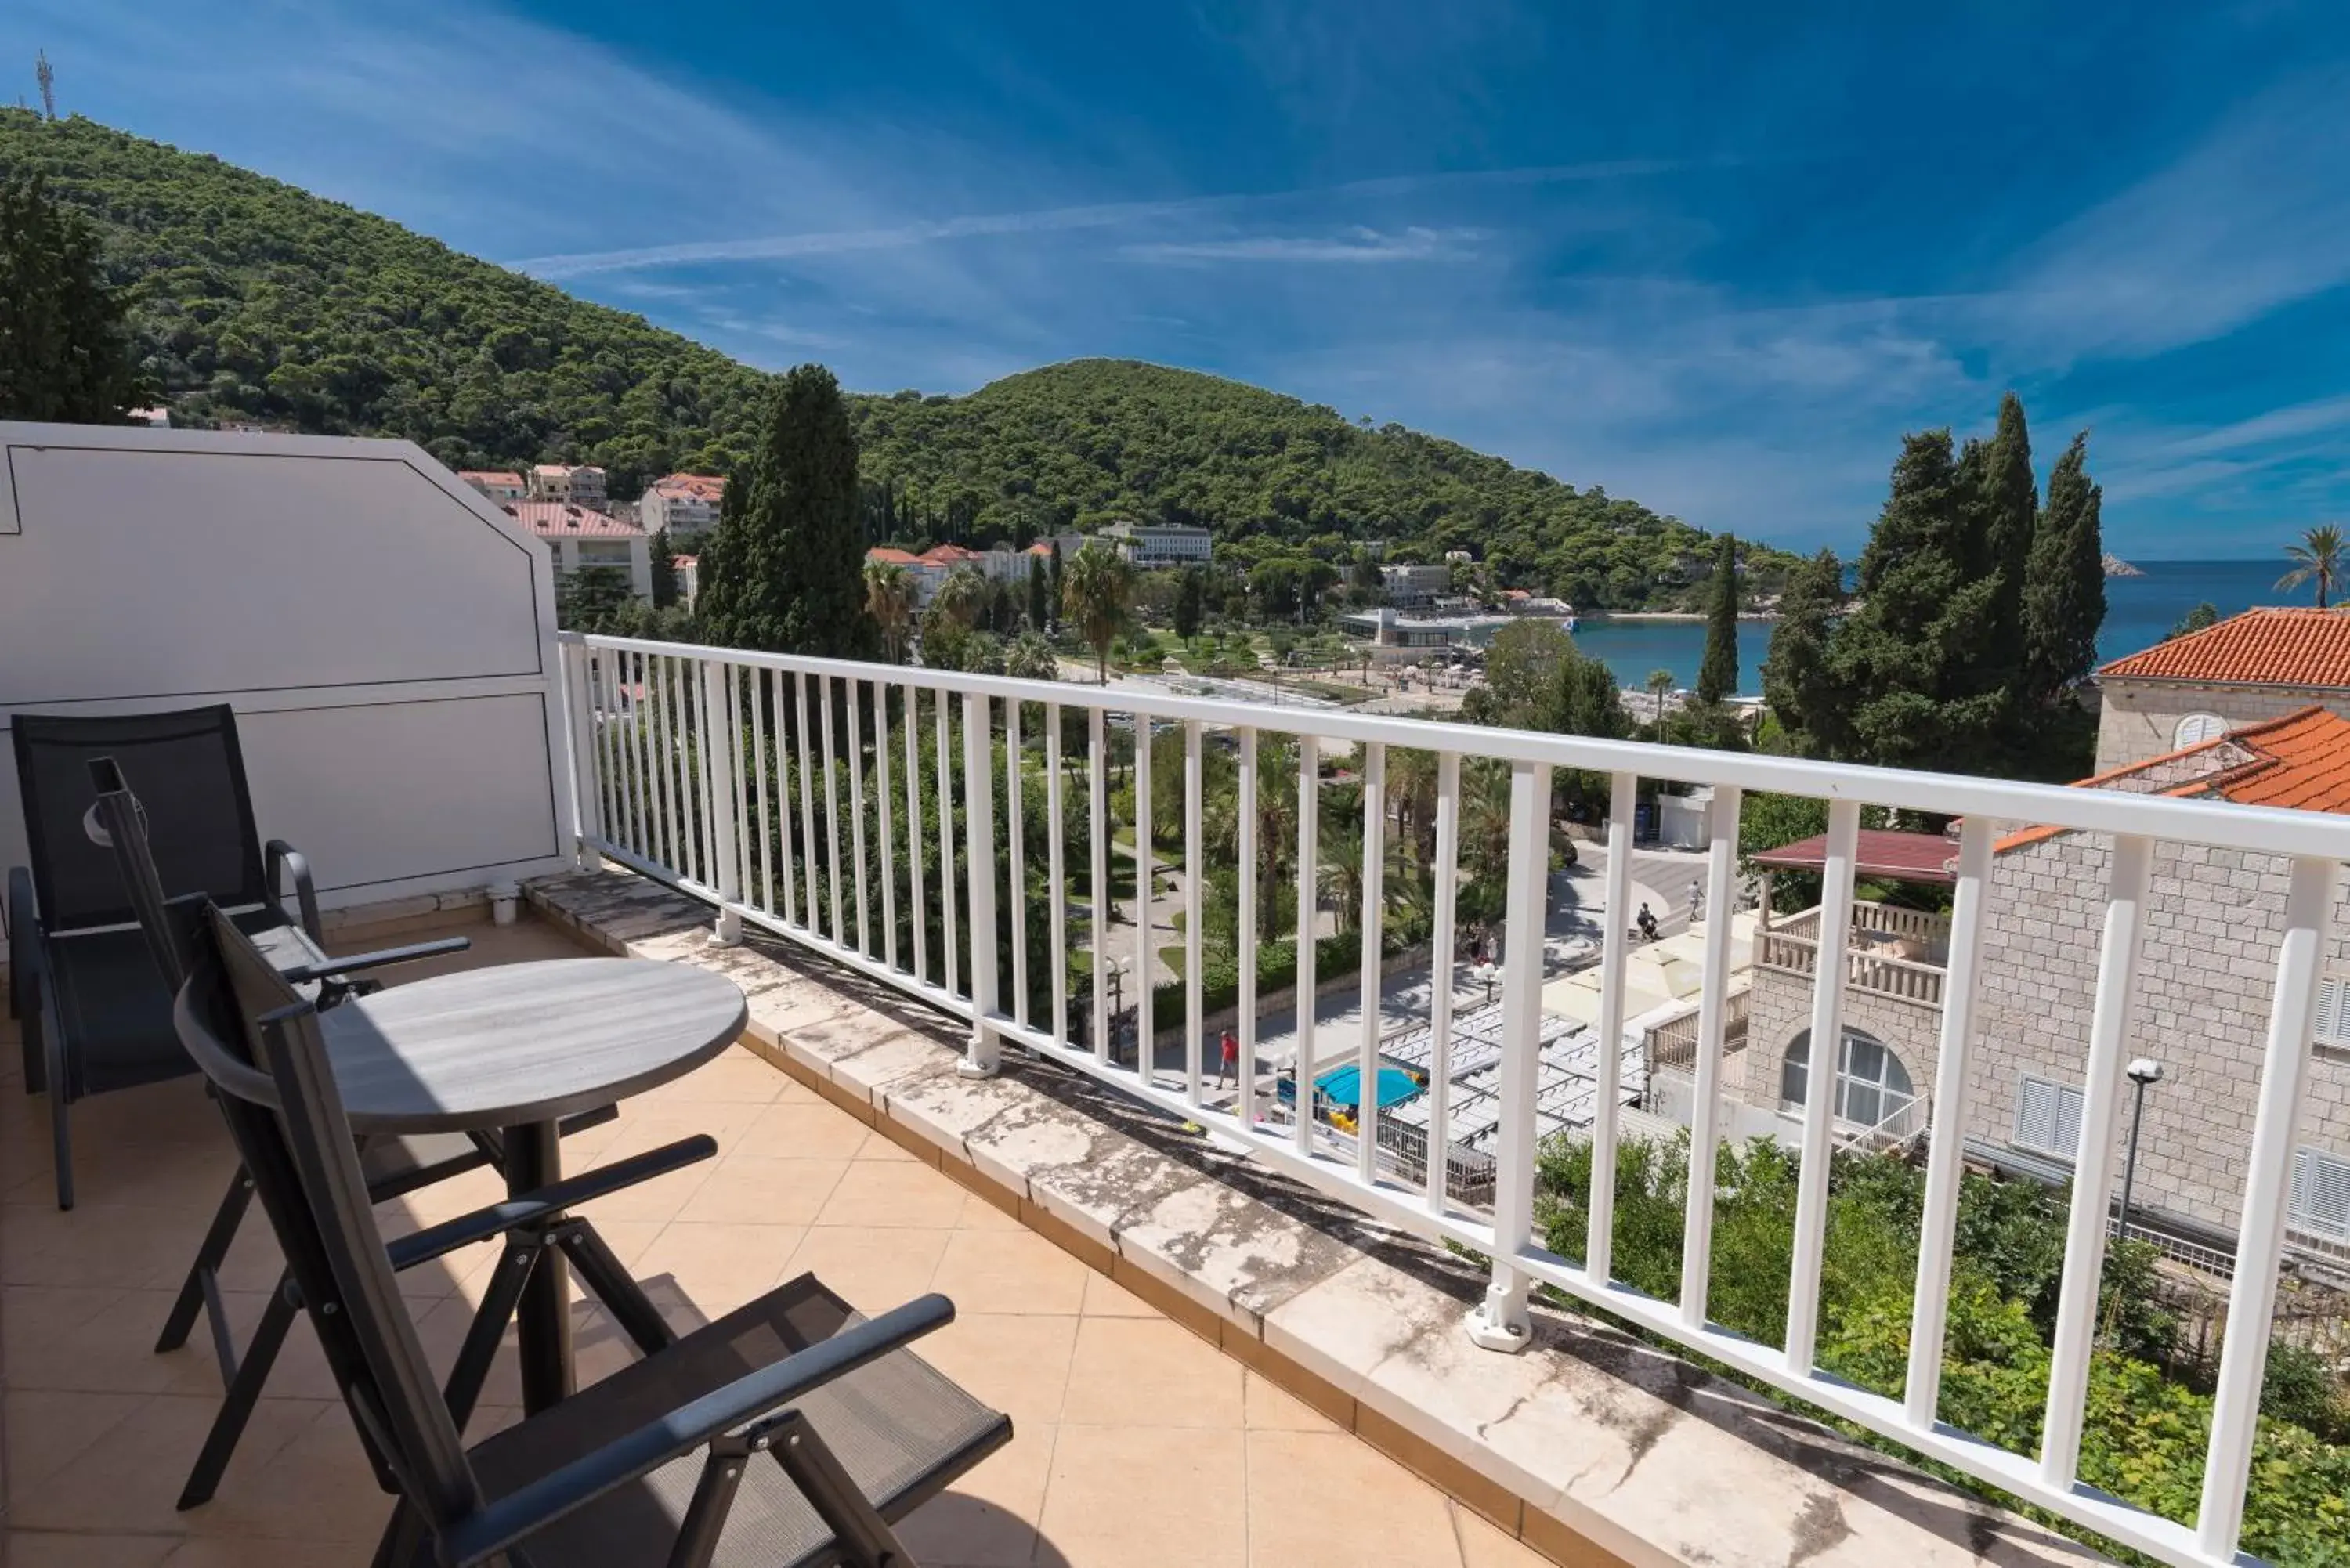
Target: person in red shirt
[(1230, 1068)]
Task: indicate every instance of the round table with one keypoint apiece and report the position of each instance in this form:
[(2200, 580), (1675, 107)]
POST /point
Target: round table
[(516, 1048)]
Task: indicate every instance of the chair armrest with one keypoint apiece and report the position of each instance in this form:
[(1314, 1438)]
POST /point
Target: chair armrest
[(496, 1219), (533, 1507), (356, 962), (281, 854)]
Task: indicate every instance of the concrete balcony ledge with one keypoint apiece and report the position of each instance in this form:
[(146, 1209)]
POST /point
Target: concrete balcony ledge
[(1592, 1448)]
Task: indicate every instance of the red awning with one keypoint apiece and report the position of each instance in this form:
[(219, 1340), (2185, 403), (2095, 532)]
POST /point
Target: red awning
[(1883, 854)]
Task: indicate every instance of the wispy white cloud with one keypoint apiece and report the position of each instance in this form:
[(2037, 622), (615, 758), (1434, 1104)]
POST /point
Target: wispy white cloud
[(2254, 217), (1357, 246)]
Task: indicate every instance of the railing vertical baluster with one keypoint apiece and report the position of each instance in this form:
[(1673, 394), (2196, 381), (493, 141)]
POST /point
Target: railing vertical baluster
[(1309, 877), (2092, 1168), (1195, 946), (1146, 890), (2252, 1299), (1946, 1146), (1444, 943), (1056, 875), (1244, 948), (947, 912), (574, 664), (1019, 878), (664, 767), (979, 836), (881, 797), (692, 811), (1372, 929), (1820, 1084), (759, 765), (718, 768), (1501, 1323), (1705, 1122), (630, 704), (914, 833), (855, 695), (1615, 955), (832, 869), (776, 687), (738, 703), (806, 768), (1098, 830)]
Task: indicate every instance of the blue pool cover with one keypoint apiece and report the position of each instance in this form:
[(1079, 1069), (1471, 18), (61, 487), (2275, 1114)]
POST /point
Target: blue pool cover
[(1343, 1086)]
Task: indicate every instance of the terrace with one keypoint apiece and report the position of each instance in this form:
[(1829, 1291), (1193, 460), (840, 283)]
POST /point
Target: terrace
[(1227, 1331)]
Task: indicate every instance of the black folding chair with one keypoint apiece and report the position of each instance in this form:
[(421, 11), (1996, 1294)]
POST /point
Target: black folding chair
[(660, 1463), (97, 1015), (394, 1166)]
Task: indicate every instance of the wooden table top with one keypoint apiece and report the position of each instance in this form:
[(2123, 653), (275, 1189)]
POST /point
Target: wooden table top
[(524, 1043)]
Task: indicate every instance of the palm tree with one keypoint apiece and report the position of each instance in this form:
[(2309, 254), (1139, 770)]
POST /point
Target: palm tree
[(1660, 682), (889, 600), (963, 597), (1411, 795), (2318, 558), (1094, 591), (1030, 658)]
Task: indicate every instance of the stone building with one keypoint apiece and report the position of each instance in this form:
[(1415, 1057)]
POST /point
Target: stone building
[(2203, 985), (2260, 665)]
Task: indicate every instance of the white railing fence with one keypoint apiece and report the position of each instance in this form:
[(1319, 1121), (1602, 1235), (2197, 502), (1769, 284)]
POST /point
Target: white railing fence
[(975, 859)]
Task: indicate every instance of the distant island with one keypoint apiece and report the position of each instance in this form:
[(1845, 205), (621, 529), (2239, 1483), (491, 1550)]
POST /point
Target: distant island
[(2117, 568)]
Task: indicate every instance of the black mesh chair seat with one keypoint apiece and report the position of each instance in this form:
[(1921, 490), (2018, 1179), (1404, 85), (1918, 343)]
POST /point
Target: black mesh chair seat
[(902, 1431), (114, 1004)]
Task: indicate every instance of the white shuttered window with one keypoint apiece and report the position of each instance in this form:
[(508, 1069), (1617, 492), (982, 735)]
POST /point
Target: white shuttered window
[(2048, 1117), (2319, 1203)]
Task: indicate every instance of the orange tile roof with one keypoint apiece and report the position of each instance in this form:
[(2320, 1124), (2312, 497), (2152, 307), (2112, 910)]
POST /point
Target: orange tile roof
[(565, 519), (894, 556), (2301, 760), (705, 486), (490, 476), (2295, 646)]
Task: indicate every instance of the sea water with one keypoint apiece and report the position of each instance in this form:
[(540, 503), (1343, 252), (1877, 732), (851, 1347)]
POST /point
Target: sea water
[(2138, 612)]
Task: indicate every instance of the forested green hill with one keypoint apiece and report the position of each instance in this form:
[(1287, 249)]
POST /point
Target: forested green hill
[(255, 300)]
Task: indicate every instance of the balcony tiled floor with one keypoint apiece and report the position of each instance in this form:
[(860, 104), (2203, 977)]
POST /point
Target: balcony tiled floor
[(1136, 1443)]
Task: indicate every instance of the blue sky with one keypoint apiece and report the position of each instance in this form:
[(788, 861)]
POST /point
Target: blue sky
[(1714, 257)]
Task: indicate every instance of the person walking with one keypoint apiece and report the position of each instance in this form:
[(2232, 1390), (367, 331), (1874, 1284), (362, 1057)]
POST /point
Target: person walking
[(1229, 1065), (1697, 898)]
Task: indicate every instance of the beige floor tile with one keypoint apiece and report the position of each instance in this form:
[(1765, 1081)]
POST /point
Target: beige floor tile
[(1105, 1297), (204, 1553), (49, 1431), (799, 1129), (1135, 1370), (1482, 1544), (1272, 1408), (735, 1078), (1377, 1514), (983, 1215), (1018, 1363), (764, 1193), (1009, 1271), (1147, 1497), (718, 1267), (883, 1192), (872, 1270), (988, 1519)]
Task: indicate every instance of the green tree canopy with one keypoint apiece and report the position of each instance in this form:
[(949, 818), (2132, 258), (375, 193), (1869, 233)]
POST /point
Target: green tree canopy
[(785, 570), (1717, 678), (664, 561), (65, 350)]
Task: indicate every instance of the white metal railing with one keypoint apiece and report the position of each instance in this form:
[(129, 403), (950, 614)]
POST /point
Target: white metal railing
[(702, 777)]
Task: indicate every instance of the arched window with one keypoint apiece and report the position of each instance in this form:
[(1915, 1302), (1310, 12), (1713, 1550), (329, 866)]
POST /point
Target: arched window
[(1871, 1083), (2197, 728)]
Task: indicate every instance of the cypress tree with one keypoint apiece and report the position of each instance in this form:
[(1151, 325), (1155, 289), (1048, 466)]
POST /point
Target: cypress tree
[(664, 556), (1039, 614), (1054, 599), (1911, 656), (1717, 678), (2064, 604), (65, 347), (1798, 684), (785, 572), (2009, 509)]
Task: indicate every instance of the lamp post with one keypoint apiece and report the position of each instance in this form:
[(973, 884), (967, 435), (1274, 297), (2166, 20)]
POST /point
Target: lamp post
[(1486, 973), (2145, 1073)]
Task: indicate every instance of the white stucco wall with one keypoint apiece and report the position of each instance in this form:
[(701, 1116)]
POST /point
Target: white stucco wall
[(386, 635)]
